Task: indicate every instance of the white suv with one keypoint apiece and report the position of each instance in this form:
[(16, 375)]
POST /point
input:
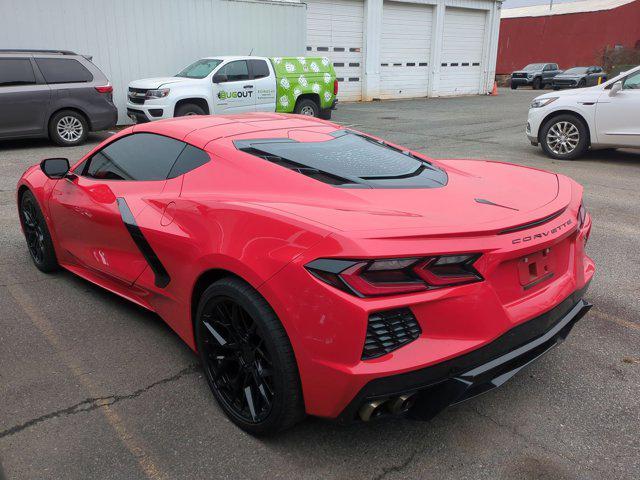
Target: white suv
[(567, 123)]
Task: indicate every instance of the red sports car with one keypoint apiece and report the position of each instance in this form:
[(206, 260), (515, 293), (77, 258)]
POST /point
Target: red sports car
[(319, 270)]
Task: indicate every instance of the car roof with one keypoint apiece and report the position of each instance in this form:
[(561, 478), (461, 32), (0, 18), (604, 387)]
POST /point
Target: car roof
[(200, 130), (233, 57)]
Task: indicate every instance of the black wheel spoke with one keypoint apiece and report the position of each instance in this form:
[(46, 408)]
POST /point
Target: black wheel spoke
[(237, 361), (219, 338)]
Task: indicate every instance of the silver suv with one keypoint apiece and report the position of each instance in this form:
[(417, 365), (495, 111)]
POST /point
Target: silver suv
[(56, 94)]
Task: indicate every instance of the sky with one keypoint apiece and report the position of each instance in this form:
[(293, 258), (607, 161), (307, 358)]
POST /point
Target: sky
[(524, 3)]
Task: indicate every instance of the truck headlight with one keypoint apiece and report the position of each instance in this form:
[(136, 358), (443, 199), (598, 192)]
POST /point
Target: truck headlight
[(542, 102), (160, 93)]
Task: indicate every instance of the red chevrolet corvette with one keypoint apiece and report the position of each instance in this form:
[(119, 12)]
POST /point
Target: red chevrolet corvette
[(319, 270)]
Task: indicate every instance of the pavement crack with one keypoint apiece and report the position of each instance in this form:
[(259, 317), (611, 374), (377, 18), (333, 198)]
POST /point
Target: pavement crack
[(97, 402), (401, 467)]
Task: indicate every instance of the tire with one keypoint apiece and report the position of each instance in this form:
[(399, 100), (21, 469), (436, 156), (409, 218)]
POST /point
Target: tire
[(308, 107), (514, 86), (325, 114), (537, 83), (68, 128), (570, 126), (582, 83), (248, 350), (37, 234), (187, 109)]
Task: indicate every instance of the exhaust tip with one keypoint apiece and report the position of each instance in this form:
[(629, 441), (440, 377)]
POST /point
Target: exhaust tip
[(401, 403), (372, 409)]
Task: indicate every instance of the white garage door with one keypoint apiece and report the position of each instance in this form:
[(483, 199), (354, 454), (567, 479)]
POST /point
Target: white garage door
[(334, 30), (462, 68), (405, 50)]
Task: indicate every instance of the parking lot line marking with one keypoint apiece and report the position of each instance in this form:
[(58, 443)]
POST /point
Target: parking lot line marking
[(620, 321), (128, 438)]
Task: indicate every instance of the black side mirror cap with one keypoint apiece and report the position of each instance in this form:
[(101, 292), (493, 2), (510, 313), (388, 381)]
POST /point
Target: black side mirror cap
[(219, 78), (55, 168)]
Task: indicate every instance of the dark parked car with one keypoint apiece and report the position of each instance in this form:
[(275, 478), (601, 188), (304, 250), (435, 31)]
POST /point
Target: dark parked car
[(579, 77), (537, 75), (55, 94)]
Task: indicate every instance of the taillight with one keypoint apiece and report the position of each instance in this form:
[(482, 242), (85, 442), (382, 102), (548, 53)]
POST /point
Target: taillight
[(105, 89), (335, 86), (394, 276)]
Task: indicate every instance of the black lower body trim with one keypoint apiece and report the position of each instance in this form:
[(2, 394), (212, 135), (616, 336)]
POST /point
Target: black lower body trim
[(161, 275), (480, 370)]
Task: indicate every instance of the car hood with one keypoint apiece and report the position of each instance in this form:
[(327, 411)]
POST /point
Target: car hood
[(589, 93), (157, 82), (480, 196)]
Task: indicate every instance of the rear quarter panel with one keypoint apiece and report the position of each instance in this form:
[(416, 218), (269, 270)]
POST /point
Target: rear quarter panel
[(297, 76)]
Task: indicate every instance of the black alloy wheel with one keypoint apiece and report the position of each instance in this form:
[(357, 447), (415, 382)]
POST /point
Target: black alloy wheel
[(237, 360), (247, 358), (37, 234)]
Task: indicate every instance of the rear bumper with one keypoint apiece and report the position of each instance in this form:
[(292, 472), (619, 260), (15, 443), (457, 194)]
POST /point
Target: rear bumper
[(103, 118), (461, 378)]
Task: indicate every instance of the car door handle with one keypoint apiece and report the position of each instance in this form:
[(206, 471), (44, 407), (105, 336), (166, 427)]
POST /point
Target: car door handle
[(248, 86)]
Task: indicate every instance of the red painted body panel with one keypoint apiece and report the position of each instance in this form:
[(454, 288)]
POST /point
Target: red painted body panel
[(569, 40), (263, 223)]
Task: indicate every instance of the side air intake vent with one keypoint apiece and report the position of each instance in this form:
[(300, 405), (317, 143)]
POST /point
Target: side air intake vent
[(388, 331)]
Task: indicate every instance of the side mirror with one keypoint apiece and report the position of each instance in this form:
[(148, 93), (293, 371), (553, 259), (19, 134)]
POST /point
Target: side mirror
[(55, 167), (219, 78), (615, 88)]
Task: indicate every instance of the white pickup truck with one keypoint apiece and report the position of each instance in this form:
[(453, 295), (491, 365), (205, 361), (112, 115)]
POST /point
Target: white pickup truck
[(223, 85)]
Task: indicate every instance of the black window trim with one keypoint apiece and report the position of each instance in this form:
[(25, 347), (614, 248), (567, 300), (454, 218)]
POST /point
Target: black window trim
[(82, 167)]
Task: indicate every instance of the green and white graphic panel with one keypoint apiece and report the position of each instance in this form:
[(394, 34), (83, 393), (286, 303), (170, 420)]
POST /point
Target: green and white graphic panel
[(296, 76)]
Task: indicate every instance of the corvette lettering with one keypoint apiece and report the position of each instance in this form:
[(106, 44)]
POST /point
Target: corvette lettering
[(537, 236)]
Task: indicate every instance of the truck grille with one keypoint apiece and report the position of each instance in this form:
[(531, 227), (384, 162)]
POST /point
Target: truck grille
[(137, 95), (388, 331)]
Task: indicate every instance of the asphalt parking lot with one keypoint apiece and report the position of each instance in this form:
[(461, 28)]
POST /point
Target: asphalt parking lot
[(94, 387)]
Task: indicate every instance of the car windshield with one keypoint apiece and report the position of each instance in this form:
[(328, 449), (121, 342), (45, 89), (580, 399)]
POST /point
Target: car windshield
[(576, 70), (533, 66), (200, 69)]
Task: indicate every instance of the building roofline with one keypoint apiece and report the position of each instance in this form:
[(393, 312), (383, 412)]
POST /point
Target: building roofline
[(563, 8)]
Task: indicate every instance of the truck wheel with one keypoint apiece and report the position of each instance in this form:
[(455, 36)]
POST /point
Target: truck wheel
[(514, 86), (307, 107), (537, 83), (564, 137), (325, 114), (68, 128), (187, 109)]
